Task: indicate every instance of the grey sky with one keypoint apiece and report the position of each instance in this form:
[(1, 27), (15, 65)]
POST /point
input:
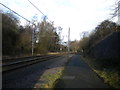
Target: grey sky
[(79, 15)]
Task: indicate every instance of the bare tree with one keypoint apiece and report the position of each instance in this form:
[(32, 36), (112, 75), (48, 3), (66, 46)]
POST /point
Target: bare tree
[(116, 11)]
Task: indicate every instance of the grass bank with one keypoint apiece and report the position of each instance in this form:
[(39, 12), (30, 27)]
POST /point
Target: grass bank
[(107, 71), (49, 77)]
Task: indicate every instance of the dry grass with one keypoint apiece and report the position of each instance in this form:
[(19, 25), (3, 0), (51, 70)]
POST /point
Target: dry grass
[(57, 53), (49, 77), (109, 74), (110, 77)]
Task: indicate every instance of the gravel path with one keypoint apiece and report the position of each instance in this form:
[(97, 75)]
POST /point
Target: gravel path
[(27, 77)]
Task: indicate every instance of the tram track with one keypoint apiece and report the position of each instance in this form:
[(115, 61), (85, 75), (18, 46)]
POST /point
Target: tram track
[(8, 65)]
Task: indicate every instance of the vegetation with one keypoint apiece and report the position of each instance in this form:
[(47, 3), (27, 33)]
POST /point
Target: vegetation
[(9, 33), (101, 31), (49, 39), (107, 69), (110, 74), (17, 39), (74, 45), (50, 78), (110, 77)]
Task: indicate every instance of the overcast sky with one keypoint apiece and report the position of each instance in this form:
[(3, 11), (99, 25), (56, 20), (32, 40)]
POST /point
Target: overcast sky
[(79, 15)]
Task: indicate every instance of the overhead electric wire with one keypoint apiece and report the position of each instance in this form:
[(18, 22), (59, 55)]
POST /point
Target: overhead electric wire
[(26, 20), (38, 10), (17, 13)]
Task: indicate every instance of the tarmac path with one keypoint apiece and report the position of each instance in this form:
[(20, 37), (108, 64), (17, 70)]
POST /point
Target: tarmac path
[(78, 74)]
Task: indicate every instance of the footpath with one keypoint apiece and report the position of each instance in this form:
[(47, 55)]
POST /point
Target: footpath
[(78, 74)]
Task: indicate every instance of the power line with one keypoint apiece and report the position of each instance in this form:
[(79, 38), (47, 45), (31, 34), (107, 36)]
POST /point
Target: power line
[(26, 20), (17, 13), (38, 10)]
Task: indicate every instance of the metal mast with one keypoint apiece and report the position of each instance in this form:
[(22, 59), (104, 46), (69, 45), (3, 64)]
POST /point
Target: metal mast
[(69, 40)]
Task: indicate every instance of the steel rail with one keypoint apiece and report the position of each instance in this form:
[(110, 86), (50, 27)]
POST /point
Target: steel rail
[(22, 63)]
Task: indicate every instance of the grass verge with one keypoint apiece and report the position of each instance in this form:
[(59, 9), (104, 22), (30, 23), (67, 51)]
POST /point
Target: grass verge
[(110, 77), (50, 77), (109, 74)]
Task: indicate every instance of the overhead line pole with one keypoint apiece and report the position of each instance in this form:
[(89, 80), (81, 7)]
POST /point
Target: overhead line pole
[(26, 20), (68, 41), (42, 14)]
